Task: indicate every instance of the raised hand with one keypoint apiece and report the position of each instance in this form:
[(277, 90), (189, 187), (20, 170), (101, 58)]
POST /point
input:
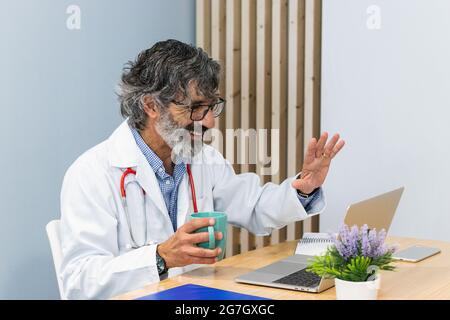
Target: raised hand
[(317, 162)]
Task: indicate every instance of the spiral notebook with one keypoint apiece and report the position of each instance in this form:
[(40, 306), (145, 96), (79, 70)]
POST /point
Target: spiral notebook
[(313, 244)]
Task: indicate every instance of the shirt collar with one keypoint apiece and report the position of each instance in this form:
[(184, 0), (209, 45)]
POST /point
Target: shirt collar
[(155, 162)]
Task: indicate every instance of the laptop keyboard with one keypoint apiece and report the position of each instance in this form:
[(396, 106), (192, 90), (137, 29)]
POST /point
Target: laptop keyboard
[(301, 278)]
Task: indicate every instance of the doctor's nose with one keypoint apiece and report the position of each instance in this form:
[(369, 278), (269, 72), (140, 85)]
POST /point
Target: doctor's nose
[(209, 120)]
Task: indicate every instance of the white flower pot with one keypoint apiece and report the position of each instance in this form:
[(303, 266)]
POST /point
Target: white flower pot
[(348, 290)]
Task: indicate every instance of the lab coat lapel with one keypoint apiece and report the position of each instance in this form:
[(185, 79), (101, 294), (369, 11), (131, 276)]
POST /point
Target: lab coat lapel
[(183, 204), (147, 180), (122, 149)]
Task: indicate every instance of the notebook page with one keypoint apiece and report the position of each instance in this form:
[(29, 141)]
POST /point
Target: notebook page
[(313, 244)]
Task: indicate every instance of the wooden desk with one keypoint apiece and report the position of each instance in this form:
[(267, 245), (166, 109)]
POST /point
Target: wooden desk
[(428, 279)]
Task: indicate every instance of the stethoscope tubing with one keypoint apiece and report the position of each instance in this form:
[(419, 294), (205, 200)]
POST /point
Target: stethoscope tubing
[(123, 193)]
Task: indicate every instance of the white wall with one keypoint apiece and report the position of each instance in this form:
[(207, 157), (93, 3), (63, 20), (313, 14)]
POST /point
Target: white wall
[(57, 100), (387, 91)]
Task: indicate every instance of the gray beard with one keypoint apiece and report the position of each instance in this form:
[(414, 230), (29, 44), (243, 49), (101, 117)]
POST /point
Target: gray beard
[(184, 149)]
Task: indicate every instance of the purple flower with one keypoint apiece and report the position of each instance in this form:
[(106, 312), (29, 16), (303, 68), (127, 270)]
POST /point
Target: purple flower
[(354, 242), (365, 244)]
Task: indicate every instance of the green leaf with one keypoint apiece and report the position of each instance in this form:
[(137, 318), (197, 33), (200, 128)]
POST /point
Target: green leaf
[(332, 264)]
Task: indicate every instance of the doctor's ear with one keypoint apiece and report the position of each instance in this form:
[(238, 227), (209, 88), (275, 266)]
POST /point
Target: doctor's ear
[(151, 107)]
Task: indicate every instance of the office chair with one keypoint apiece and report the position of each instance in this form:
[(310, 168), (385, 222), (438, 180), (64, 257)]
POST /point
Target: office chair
[(53, 233)]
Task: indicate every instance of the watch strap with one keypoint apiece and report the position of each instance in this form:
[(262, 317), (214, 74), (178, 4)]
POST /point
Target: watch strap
[(306, 196), (160, 263)]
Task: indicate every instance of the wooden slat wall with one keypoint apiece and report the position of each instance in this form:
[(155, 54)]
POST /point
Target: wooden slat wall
[(218, 41), (203, 24), (311, 123), (233, 94), (248, 87), (279, 94), (263, 85), (296, 55), (270, 56)]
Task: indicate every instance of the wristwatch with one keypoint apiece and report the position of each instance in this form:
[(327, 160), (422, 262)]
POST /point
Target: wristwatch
[(306, 196), (160, 263)]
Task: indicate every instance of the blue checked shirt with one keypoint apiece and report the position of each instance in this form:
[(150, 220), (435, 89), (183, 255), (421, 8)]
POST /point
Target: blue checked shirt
[(169, 184), (308, 202)]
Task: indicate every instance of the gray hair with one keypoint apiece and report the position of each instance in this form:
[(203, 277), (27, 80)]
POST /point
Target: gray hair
[(165, 71)]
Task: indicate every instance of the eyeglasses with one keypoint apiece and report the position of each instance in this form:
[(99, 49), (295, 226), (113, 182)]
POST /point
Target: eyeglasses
[(198, 112)]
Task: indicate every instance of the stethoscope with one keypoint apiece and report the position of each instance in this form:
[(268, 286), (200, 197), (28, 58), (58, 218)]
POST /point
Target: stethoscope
[(123, 193)]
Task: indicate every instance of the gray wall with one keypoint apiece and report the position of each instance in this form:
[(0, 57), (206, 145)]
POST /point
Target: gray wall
[(57, 100), (387, 91)]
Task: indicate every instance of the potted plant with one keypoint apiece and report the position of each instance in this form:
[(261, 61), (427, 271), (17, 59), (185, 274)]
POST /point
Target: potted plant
[(354, 261)]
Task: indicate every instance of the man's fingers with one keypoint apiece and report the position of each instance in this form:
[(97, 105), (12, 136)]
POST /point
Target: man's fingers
[(203, 253), (218, 235), (311, 150), (195, 238), (330, 145), (202, 237), (321, 144), (195, 224), (337, 148)]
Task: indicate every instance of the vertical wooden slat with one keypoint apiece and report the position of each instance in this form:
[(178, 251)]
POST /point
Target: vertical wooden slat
[(312, 81), (248, 73), (263, 85), (233, 94), (295, 97), (293, 61), (203, 25), (279, 92), (218, 46), (315, 221), (298, 230), (248, 83)]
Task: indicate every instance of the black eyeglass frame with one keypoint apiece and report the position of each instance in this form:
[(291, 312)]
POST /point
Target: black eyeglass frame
[(219, 102)]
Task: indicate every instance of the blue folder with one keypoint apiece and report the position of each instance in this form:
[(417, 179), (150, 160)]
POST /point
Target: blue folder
[(196, 292)]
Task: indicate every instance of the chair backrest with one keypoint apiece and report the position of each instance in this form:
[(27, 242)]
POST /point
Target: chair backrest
[(53, 233)]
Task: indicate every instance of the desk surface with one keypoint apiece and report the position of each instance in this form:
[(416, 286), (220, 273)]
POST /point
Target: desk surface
[(428, 279)]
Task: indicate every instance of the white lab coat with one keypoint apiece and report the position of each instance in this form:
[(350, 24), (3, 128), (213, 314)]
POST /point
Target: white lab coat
[(98, 261)]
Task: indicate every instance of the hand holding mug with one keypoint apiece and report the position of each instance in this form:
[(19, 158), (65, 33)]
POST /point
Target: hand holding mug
[(181, 249)]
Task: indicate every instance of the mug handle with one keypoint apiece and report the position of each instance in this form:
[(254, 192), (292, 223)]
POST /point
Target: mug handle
[(212, 238)]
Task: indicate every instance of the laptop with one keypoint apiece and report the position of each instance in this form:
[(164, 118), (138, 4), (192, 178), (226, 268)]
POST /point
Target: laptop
[(290, 273)]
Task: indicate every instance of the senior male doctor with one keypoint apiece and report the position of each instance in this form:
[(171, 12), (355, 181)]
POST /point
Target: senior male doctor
[(126, 201)]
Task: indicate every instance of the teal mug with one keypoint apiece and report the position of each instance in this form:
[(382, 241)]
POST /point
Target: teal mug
[(219, 226)]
